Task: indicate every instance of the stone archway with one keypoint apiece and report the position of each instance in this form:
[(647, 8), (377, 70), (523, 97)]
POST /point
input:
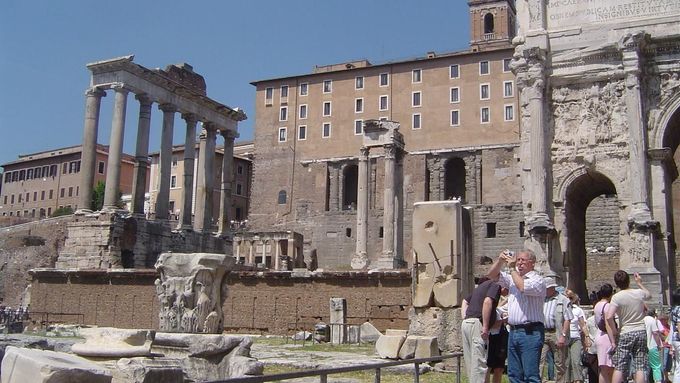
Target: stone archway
[(588, 188), (670, 141)]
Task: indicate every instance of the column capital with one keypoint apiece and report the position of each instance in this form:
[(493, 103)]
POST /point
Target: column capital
[(120, 88), (144, 99), (209, 126), (95, 92), (363, 153), (190, 118), (390, 151), (167, 107), (229, 134)]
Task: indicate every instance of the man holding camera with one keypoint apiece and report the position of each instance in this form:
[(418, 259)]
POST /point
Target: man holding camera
[(525, 313)]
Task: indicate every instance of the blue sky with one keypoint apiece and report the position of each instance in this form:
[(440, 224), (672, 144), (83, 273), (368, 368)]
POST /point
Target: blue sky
[(45, 45)]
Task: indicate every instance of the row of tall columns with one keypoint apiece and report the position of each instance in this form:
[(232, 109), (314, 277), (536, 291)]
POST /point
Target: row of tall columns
[(276, 257), (388, 256), (204, 200)]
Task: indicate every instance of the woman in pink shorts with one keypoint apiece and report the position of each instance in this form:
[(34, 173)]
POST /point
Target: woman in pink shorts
[(604, 360)]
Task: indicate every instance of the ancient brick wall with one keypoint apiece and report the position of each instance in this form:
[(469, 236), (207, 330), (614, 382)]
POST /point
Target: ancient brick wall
[(275, 303), (495, 228), (602, 223)]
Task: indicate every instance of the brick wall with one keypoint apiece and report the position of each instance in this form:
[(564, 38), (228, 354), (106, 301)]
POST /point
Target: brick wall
[(602, 223), (275, 303)]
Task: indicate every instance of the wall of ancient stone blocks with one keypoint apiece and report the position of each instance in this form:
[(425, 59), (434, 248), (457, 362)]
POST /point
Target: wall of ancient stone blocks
[(274, 303)]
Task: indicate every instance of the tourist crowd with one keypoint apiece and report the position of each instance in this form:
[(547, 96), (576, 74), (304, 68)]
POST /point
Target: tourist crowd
[(518, 321)]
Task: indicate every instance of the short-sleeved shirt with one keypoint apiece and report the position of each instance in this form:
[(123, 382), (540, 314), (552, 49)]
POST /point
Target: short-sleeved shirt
[(487, 289), (651, 328), (526, 306), (574, 327), (551, 305), (631, 309)]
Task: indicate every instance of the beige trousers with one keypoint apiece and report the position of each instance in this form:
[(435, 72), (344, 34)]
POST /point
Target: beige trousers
[(474, 350)]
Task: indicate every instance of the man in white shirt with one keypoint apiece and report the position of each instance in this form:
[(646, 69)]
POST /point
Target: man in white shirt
[(525, 313), (558, 316)]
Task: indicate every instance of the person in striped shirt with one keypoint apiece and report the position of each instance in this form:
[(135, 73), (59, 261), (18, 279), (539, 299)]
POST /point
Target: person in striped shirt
[(525, 313)]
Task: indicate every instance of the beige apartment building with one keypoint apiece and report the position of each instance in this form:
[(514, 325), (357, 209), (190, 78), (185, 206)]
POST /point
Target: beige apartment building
[(458, 117), (37, 184), (240, 188)]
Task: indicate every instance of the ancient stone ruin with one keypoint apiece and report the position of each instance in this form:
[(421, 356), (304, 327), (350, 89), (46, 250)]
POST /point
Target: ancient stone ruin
[(191, 290)]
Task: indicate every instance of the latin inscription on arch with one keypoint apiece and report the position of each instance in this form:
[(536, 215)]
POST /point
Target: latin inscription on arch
[(569, 13)]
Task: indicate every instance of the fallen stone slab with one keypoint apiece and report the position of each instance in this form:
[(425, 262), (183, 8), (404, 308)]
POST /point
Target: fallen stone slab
[(206, 357), (388, 346), (419, 347), (22, 365), (109, 342), (369, 334), (146, 370)]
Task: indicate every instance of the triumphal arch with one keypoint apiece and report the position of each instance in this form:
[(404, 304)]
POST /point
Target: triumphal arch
[(600, 115)]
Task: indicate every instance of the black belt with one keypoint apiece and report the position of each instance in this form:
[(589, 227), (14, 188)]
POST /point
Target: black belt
[(550, 330), (527, 326)]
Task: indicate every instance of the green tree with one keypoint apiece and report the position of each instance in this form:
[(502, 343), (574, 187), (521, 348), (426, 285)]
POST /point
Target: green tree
[(98, 196), (66, 210)]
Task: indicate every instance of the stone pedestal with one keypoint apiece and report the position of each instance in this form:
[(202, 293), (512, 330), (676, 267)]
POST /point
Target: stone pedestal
[(191, 290), (338, 318)]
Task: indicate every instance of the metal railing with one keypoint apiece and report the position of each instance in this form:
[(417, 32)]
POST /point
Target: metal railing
[(323, 373)]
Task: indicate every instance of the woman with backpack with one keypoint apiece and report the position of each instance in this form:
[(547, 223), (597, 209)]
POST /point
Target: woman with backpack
[(602, 342)]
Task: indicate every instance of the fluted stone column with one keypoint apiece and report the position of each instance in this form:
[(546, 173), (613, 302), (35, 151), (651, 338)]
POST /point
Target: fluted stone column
[(277, 254), (165, 161), (531, 81), (360, 258), (141, 154), (388, 201), (115, 148), (188, 177), (227, 179), (639, 174), (206, 179), (88, 157)]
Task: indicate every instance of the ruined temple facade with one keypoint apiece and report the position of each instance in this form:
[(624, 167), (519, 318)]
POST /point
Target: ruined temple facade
[(599, 110), (457, 114), (112, 238)]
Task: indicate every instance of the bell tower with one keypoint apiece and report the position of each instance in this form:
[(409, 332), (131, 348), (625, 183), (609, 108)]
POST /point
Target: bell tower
[(492, 23)]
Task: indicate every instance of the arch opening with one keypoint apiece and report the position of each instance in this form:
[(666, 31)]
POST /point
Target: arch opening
[(592, 223), (488, 23)]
